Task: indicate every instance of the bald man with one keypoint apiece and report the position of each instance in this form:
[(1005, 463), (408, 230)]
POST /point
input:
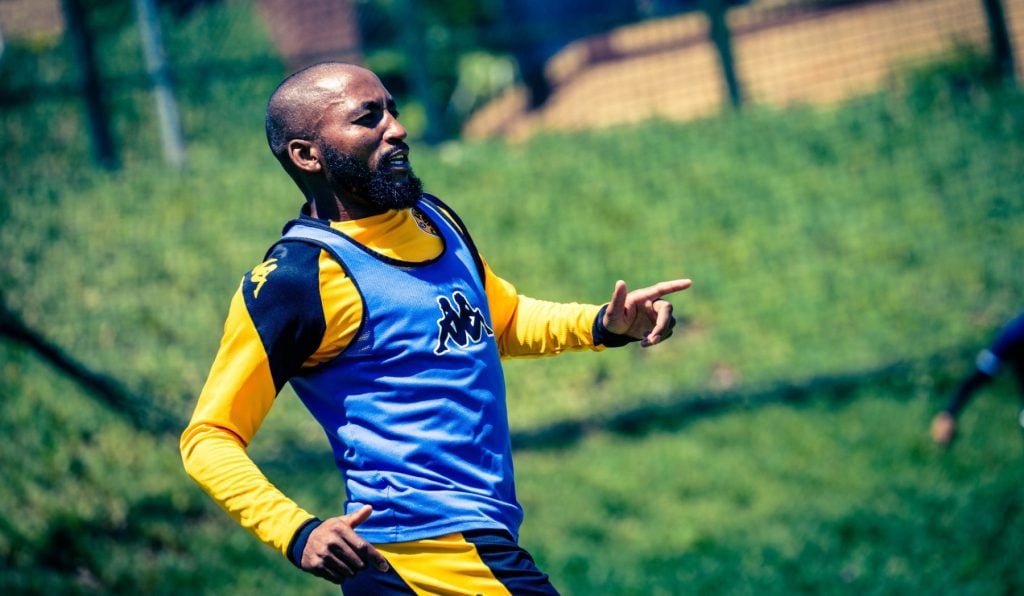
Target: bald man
[(378, 310)]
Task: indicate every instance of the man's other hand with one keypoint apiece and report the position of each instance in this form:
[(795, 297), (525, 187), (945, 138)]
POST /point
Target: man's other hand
[(336, 552)]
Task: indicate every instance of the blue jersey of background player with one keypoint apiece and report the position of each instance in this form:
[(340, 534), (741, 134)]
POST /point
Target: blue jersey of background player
[(1006, 351)]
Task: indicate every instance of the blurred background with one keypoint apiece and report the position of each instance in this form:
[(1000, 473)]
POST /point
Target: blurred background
[(840, 178)]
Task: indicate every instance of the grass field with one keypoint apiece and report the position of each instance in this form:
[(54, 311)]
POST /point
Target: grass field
[(847, 263), (829, 496)]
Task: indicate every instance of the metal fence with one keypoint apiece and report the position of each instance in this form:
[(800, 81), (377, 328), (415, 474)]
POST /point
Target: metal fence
[(512, 68), (781, 53)]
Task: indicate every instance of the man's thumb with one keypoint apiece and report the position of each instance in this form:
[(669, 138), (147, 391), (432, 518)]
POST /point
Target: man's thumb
[(354, 519)]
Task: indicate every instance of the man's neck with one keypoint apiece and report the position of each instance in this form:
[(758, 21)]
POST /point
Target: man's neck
[(333, 209)]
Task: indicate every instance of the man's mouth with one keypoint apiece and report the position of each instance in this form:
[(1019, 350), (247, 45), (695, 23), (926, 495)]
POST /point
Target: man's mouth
[(398, 160)]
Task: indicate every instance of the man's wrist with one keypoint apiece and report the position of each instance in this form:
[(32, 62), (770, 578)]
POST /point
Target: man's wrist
[(604, 337), (299, 540)]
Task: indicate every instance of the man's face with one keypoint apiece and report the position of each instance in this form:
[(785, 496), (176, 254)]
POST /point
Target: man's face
[(363, 144)]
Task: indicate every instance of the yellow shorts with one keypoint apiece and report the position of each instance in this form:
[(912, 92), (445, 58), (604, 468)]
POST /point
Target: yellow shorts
[(481, 562)]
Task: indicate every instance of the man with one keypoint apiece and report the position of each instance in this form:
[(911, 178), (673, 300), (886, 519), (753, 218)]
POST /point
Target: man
[(377, 308), (1007, 349)]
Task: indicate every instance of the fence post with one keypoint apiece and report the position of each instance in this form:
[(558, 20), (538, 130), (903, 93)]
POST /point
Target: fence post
[(159, 74), (1002, 50), (721, 37), (100, 137)]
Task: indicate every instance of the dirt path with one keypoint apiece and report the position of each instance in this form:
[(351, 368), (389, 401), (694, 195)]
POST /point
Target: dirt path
[(666, 68)]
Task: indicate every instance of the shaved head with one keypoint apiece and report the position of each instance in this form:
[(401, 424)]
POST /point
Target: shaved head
[(298, 103)]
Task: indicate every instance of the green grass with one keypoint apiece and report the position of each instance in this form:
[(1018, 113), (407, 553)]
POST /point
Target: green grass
[(820, 242), (843, 496), (834, 495)]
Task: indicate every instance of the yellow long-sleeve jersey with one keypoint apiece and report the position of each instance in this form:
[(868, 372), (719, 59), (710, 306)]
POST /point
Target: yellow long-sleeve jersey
[(299, 309)]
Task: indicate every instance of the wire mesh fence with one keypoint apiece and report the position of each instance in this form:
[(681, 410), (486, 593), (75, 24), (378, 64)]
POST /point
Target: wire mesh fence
[(508, 69), (784, 53)]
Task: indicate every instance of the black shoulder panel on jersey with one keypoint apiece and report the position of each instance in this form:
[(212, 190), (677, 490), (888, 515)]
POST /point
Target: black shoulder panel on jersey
[(462, 228), (282, 295)]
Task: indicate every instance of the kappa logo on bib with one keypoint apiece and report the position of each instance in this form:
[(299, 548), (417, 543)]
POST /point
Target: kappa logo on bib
[(460, 324)]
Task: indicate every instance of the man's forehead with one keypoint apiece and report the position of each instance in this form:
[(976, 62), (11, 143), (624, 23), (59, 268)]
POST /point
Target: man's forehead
[(334, 82), (352, 89)]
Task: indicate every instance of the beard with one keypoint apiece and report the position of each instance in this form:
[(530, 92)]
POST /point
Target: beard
[(377, 186)]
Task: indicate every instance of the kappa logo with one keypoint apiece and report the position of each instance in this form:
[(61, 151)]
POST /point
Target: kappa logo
[(259, 275), (460, 323)]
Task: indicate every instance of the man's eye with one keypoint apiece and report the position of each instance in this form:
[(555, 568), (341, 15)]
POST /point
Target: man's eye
[(368, 119)]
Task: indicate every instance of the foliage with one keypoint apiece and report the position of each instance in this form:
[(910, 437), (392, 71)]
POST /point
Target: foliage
[(400, 36)]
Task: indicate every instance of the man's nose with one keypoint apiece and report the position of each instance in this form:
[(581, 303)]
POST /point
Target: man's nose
[(395, 131)]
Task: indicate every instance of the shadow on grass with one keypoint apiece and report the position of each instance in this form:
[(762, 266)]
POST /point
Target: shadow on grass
[(670, 412), (940, 369), (142, 412)]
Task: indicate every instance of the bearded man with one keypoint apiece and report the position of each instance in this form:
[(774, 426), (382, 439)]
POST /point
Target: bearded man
[(377, 308)]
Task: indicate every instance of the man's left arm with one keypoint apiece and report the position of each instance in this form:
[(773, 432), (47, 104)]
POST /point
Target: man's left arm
[(526, 326)]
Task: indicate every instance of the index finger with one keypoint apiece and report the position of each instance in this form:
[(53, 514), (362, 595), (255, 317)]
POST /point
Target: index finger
[(663, 288), (370, 554), (374, 557)]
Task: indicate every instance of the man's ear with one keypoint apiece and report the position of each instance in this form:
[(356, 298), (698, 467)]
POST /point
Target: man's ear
[(305, 155)]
